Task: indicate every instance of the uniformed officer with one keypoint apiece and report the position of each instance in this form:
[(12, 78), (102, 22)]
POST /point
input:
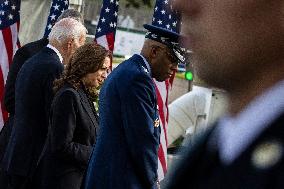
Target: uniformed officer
[(125, 155), (237, 46)]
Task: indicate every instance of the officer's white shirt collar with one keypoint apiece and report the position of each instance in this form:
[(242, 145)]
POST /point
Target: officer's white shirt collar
[(234, 135), (146, 63), (56, 51)]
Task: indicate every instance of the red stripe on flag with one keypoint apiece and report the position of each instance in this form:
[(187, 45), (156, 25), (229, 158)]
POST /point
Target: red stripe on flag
[(167, 107), (162, 159), (7, 36), (4, 112), (168, 83), (110, 41), (110, 45), (161, 111)]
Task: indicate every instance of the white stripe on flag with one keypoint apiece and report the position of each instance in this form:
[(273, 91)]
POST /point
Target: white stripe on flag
[(103, 41), (161, 87), (163, 90), (163, 141), (14, 30), (4, 62), (160, 171)]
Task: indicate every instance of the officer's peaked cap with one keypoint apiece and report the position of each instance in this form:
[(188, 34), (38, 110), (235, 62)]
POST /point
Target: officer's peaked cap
[(167, 37)]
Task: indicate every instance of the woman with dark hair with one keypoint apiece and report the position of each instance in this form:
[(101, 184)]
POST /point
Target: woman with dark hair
[(74, 121)]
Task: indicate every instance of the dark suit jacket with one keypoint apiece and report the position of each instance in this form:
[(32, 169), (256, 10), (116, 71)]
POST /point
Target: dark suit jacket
[(32, 103), (200, 167), (72, 134), (125, 155), (22, 54)]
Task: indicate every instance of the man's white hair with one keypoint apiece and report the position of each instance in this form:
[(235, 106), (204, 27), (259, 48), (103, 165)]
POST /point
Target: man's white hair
[(65, 29)]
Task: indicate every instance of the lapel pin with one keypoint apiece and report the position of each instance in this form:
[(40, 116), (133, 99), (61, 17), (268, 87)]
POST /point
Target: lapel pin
[(157, 123), (145, 70)]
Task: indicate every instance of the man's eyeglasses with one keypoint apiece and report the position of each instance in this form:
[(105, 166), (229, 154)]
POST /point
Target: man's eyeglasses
[(171, 57)]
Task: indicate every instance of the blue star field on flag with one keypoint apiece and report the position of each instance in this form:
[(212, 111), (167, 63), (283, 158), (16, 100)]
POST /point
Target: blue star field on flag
[(57, 7), (164, 16), (9, 13), (108, 18)]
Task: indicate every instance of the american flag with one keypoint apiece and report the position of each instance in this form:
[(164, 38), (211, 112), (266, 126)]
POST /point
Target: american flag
[(106, 28), (164, 16), (9, 43), (57, 7)]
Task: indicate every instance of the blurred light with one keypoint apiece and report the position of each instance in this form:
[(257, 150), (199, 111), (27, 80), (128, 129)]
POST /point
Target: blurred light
[(188, 75)]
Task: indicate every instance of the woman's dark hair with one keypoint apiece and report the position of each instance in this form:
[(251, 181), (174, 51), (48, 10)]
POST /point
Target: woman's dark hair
[(88, 58)]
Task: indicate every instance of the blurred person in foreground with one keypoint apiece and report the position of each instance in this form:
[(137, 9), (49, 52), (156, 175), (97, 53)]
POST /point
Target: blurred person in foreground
[(33, 97), (74, 120), (237, 46), (21, 56), (126, 152)]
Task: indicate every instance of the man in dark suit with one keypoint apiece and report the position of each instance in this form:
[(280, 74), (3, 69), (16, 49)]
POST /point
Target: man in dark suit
[(21, 56), (237, 46), (33, 95), (125, 155)]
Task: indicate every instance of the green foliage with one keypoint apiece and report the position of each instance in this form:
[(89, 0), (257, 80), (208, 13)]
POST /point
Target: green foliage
[(180, 75), (117, 60), (173, 148)]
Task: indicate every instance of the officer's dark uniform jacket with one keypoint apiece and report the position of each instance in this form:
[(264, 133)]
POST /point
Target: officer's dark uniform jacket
[(125, 155), (201, 168)]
